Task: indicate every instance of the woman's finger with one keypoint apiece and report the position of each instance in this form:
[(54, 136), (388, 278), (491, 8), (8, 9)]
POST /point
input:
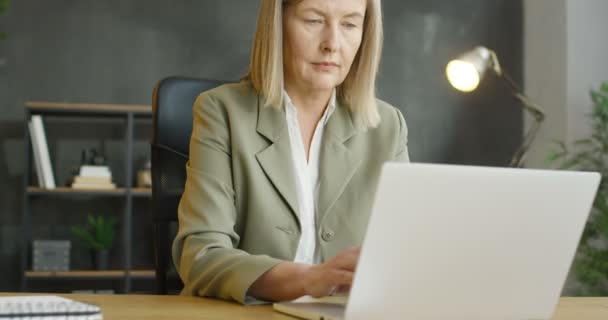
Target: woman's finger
[(347, 260), (340, 278)]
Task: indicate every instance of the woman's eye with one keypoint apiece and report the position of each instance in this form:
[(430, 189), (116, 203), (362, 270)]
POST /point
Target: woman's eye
[(349, 25), (314, 21)]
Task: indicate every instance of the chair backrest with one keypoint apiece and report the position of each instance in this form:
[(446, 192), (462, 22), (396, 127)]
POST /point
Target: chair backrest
[(172, 103)]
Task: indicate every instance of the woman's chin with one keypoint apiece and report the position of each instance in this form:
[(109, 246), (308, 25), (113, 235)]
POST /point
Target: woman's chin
[(324, 84)]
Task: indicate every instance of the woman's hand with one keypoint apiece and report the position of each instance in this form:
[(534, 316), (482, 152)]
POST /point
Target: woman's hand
[(288, 280), (335, 275)]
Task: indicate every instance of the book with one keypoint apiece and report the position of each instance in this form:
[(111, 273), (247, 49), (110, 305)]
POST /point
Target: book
[(35, 148), (94, 186), (93, 177), (47, 307), (43, 152), (95, 171), (94, 180)]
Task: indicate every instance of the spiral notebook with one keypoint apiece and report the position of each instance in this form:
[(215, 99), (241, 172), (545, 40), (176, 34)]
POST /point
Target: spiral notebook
[(47, 308)]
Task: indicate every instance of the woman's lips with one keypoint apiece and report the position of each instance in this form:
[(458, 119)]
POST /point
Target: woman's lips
[(325, 66)]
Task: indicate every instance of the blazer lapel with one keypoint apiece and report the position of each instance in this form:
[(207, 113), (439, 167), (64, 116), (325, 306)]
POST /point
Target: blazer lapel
[(338, 163), (276, 159)]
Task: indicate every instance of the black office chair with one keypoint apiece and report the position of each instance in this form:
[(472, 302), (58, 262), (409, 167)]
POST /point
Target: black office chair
[(172, 103)]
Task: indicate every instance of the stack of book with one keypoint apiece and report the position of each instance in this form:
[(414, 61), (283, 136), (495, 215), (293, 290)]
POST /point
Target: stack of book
[(93, 177)]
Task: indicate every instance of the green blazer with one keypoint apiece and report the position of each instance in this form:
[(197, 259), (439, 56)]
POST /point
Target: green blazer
[(238, 214)]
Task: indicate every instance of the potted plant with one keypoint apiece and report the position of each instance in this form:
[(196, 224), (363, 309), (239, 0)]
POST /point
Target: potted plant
[(98, 236), (591, 154)]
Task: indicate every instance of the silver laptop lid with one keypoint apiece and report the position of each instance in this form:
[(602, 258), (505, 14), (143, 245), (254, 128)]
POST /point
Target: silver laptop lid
[(457, 242)]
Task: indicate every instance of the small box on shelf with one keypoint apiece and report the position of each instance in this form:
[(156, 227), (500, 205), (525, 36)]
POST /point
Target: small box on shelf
[(51, 255)]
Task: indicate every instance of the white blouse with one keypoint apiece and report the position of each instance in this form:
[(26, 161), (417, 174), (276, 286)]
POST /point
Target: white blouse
[(307, 178)]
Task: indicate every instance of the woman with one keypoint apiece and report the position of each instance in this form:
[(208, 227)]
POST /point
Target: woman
[(283, 165)]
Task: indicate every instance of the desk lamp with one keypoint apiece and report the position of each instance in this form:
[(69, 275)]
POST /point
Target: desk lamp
[(465, 73)]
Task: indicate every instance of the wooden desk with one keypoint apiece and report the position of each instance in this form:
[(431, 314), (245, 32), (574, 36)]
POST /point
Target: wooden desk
[(178, 307)]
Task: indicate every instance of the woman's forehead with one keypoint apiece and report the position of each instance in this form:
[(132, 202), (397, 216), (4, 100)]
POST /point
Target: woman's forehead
[(341, 7)]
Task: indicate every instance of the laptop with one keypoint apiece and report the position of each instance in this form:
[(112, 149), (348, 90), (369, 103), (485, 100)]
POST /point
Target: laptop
[(463, 242)]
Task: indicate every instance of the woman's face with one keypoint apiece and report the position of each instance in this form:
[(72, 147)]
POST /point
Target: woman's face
[(320, 41)]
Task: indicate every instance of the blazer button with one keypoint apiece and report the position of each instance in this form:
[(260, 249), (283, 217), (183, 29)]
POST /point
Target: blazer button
[(328, 235)]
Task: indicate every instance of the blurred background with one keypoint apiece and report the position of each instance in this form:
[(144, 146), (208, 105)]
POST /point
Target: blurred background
[(113, 52)]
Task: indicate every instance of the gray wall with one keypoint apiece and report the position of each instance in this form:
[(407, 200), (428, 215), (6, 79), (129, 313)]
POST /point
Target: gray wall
[(587, 65), (114, 51), (546, 72), (564, 60)]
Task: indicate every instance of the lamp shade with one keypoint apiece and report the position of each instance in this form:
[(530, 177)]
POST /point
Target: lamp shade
[(466, 71)]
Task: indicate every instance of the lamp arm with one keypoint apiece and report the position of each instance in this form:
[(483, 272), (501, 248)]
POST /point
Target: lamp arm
[(517, 161), (530, 106), (539, 116), (535, 110)]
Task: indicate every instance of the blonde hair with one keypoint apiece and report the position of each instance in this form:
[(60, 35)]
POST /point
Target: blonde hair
[(358, 91)]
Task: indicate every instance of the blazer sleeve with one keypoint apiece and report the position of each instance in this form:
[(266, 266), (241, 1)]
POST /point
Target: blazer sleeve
[(205, 249), (402, 153)]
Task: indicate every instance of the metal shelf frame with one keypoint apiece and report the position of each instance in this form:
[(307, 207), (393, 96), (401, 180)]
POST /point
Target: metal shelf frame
[(126, 112)]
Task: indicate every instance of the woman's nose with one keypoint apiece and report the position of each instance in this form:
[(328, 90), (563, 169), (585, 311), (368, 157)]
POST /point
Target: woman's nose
[(331, 39)]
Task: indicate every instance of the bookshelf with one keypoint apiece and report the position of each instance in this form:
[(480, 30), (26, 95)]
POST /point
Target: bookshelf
[(67, 191), (89, 274), (126, 191), (40, 107)]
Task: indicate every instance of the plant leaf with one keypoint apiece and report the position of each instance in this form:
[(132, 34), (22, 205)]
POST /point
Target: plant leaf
[(100, 232), (591, 263)]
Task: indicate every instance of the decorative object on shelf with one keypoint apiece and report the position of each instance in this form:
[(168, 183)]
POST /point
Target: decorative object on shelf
[(94, 172), (51, 255), (98, 236), (144, 176), (589, 154), (465, 73), (44, 168), (93, 158)]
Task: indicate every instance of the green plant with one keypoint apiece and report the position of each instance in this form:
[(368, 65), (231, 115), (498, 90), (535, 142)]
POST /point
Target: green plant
[(591, 154), (3, 6), (99, 233)]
